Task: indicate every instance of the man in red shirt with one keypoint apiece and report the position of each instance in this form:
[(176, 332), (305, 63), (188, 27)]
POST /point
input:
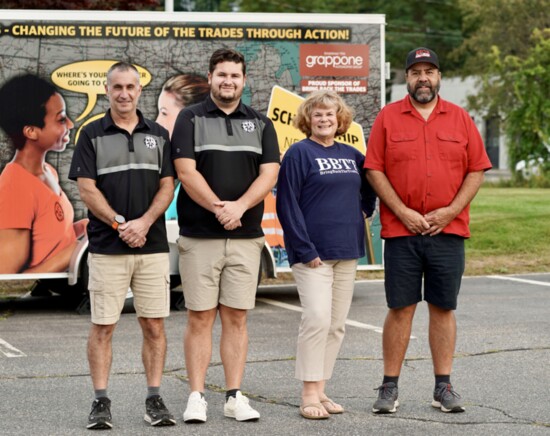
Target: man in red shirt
[(426, 161)]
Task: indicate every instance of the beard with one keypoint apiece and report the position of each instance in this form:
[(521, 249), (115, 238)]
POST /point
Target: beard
[(226, 97), (421, 96)]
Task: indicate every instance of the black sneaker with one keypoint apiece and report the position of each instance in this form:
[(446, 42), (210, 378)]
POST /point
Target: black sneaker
[(156, 412), (446, 399), (387, 399), (100, 416)]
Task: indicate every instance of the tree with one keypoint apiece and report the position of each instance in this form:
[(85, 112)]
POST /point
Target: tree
[(410, 24), (313, 6), (526, 87), (436, 24), (510, 52), (197, 5), (504, 24), (124, 5)]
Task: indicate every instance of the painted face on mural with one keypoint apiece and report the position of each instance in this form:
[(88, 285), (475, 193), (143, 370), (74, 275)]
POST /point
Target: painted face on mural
[(54, 135), (169, 108)]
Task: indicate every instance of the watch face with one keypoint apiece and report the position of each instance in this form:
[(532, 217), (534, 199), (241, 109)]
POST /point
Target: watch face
[(120, 219)]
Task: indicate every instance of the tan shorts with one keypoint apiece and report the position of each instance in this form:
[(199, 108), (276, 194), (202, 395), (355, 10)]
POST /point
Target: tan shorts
[(110, 277), (215, 271)]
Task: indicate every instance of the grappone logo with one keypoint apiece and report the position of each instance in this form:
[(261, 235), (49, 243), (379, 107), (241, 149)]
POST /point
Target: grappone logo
[(336, 60)]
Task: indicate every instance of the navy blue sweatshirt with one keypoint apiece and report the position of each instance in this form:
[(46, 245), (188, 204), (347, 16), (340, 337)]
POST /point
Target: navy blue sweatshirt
[(321, 192)]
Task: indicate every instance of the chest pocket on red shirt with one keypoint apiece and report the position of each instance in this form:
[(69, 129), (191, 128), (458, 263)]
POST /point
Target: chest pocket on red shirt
[(402, 146), (452, 145)]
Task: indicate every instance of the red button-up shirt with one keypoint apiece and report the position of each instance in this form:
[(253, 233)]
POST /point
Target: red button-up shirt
[(425, 161)]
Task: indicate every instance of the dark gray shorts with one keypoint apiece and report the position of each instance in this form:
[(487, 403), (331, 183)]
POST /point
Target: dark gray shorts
[(438, 259)]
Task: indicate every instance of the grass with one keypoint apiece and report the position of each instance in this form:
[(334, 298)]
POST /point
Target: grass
[(14, 287), (510, 231)]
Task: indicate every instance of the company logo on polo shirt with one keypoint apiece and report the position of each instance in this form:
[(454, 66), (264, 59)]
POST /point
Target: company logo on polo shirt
[(151, 142), (58, 212), (248, 126)]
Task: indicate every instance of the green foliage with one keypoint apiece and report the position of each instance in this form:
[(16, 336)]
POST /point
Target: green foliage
[(528, 123), (517, 89), (415, 23), (104, 5), (410, 23), (314, 6), (509, 50), (198, 5), (517, 180), (506, 24)]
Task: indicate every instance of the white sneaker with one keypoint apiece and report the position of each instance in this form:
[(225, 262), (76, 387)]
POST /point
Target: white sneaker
[(196, 408), (238, 408)]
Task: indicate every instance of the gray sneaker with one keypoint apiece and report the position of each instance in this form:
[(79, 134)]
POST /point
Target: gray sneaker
[(156, 412), (446, 399), (387, 399), (100, 416)]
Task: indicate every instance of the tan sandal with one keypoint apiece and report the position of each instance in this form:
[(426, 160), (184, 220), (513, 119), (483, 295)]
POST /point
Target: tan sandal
[(332, 407), (317, 406)]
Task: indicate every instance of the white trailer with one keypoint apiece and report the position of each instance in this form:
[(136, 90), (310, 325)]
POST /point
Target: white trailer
[(288, 56)]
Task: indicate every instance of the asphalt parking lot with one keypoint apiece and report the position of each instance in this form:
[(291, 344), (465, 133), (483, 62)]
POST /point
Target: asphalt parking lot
[(501, 369)]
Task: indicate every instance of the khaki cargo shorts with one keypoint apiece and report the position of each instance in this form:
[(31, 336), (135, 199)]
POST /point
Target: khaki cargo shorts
[(215, 271), (111, 276)]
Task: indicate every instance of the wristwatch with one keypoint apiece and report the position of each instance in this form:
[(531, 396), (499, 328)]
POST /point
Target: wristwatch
[(119, 219)]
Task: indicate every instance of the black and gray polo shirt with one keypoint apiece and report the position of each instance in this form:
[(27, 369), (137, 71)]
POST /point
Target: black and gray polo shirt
[(228, 150), (127, 169)]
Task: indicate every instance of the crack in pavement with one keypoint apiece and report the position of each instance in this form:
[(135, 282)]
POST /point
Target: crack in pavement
[(278, 402), (288, 359), (526, 421), (262, 399), (460, 355)]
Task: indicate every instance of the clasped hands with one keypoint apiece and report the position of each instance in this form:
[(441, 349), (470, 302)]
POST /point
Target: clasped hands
[(229, 214), (430, 224), (134, 233)]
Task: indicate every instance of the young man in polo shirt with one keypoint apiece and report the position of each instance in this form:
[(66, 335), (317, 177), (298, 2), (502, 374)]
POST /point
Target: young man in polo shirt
[(426, 162), (126, 179), (227, 159)]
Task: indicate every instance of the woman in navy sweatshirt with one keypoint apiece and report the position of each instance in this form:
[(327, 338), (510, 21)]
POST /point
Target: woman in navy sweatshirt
[(322, 200)]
